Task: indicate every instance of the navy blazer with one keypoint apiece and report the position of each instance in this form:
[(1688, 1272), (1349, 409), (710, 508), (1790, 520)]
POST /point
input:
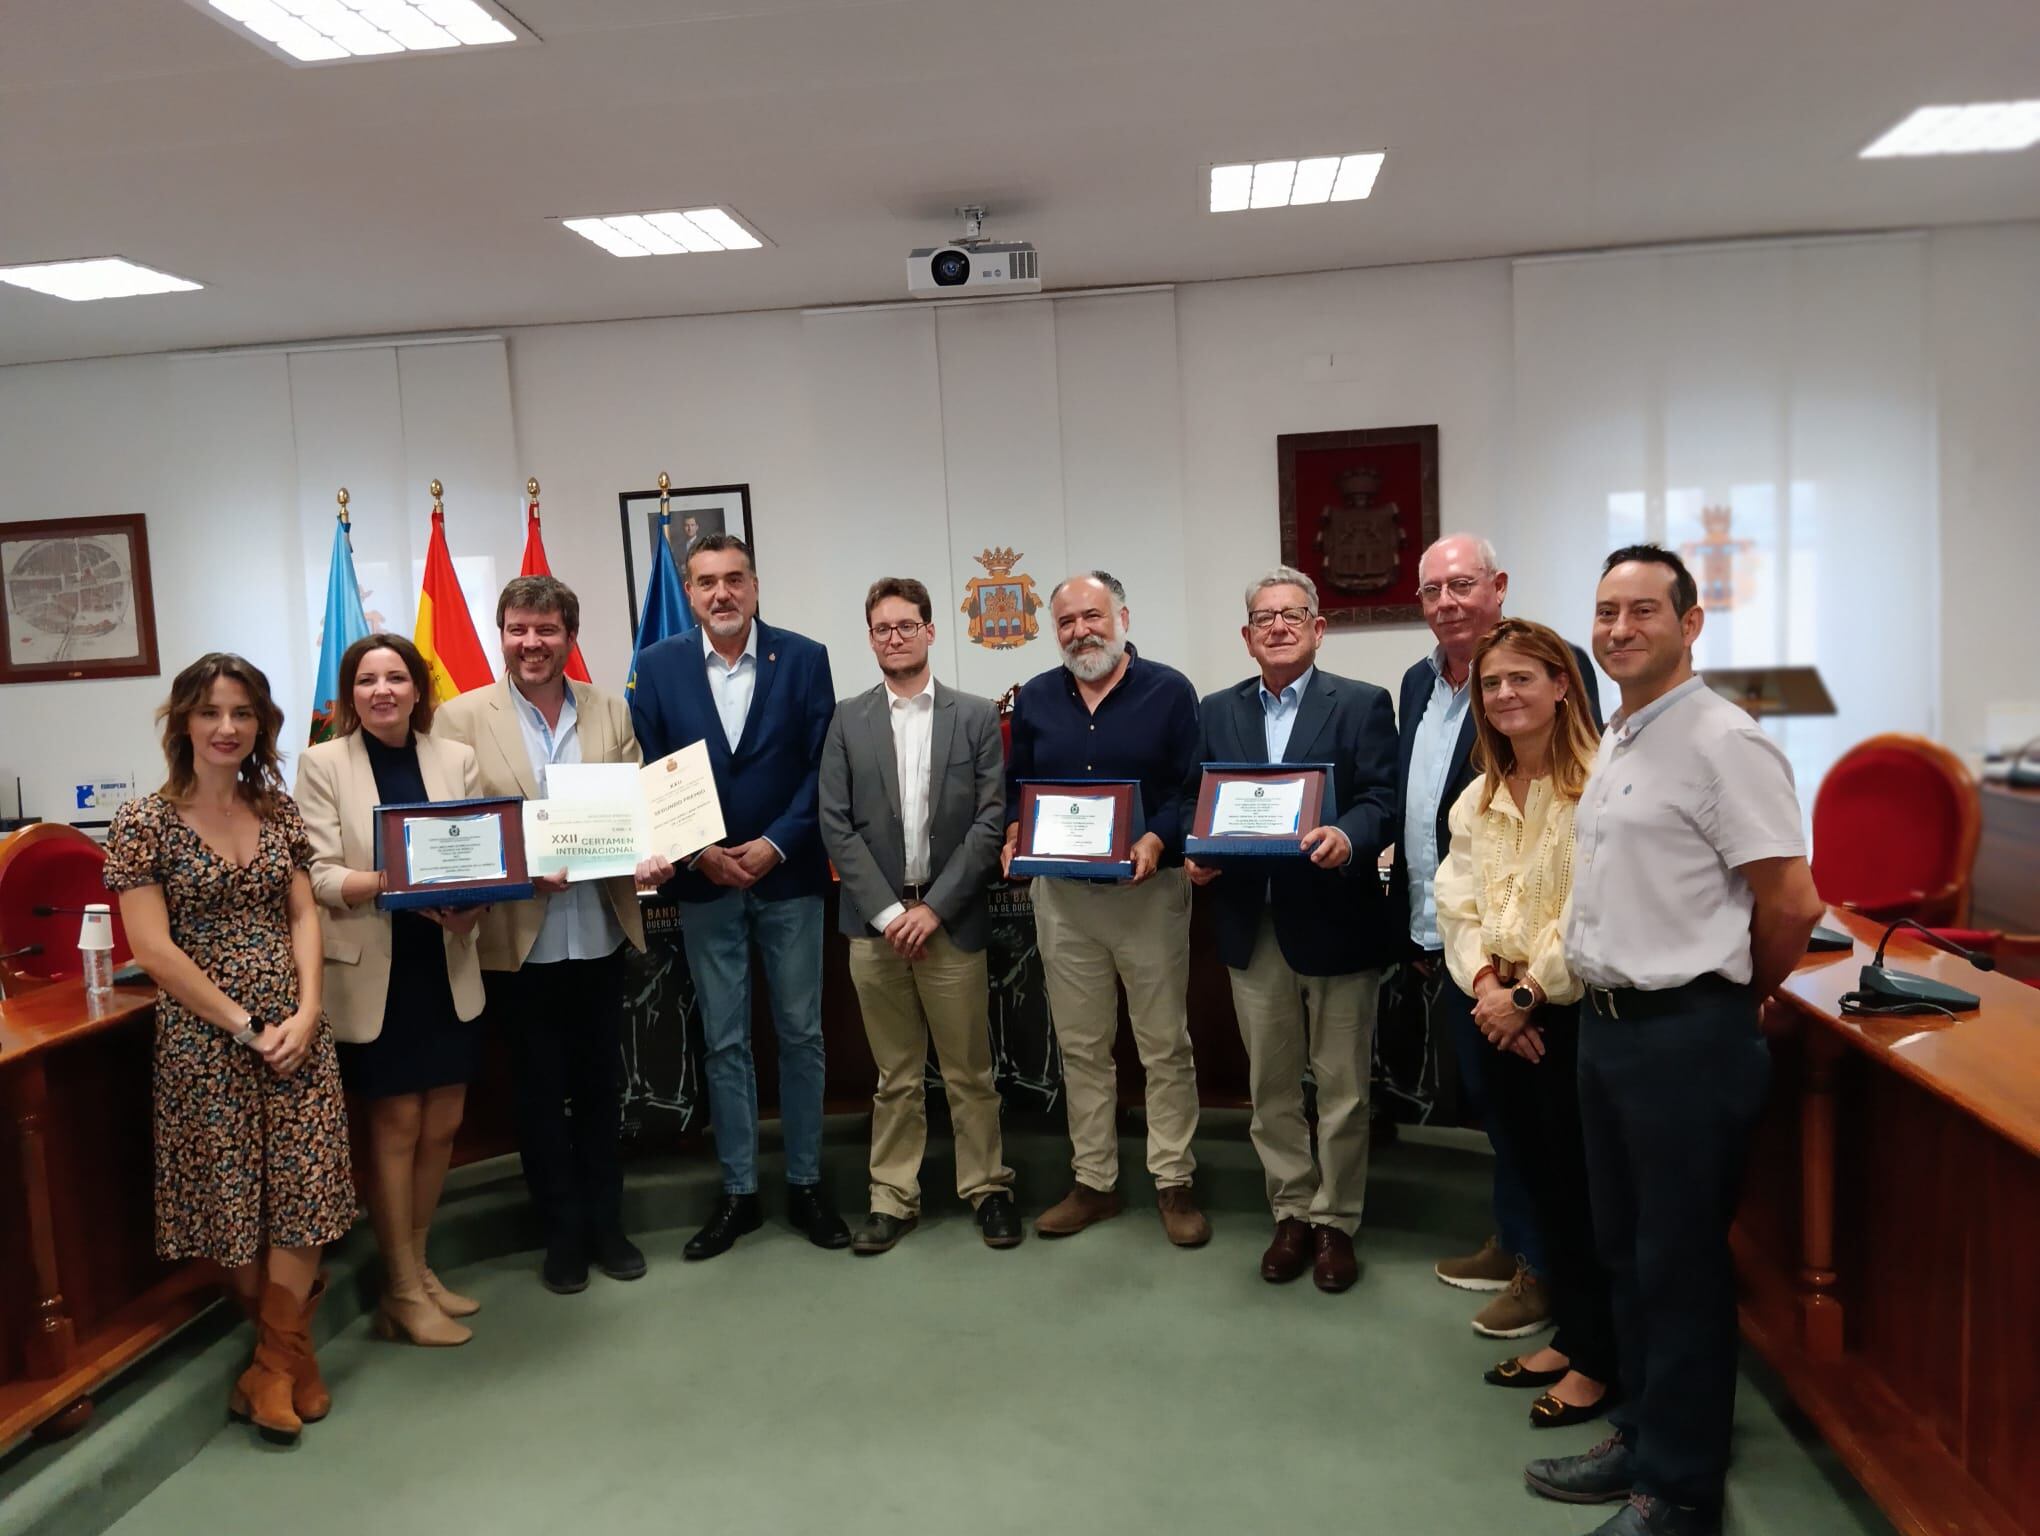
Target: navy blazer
[(1328, 922), (769, 784), (1416, 698)]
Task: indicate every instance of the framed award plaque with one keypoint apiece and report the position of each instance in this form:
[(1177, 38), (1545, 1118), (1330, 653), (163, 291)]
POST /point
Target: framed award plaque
[(451, 853), (1259, 810), (1082, 829)]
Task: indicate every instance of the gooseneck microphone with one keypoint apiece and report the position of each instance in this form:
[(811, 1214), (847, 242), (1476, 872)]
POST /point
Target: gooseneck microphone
[(1883, 990)]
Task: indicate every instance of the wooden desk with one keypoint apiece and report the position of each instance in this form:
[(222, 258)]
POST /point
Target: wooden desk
[(1889, 1240), (2005, 893), (82, 1293)]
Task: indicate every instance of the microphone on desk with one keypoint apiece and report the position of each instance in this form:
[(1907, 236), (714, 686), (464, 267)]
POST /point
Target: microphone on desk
[(1883, 990), (44, 909), (27, 951)]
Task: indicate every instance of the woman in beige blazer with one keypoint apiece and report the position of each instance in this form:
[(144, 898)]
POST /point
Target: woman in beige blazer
[(403, 989)]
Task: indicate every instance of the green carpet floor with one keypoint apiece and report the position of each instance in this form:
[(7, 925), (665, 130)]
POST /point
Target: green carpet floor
[(1105, 1383)]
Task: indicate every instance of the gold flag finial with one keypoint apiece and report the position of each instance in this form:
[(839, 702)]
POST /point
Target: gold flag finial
[(342, 499), (531, 487), (665, 481), (438, 494)]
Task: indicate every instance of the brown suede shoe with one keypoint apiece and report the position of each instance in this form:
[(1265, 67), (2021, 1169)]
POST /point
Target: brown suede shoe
[(1490, 1269), (1077, 1210), (1181, 1219), (1289, 1255), (1523, 1309), (1336, 1269)]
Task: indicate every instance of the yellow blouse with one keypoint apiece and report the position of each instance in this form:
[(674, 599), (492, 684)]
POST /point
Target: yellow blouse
[(1505, 885)]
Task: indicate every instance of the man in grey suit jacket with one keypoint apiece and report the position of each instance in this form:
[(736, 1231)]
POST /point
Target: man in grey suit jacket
[(912, 813)]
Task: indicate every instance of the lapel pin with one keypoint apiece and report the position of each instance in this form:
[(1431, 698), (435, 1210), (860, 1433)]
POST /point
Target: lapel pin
[(772, 655)]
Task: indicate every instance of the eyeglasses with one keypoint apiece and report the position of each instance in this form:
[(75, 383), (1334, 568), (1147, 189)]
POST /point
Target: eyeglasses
[(906, 630), (1461, 587), (1295, 618)]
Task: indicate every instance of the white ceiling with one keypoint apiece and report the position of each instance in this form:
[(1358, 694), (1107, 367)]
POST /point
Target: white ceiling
[(414, 194)]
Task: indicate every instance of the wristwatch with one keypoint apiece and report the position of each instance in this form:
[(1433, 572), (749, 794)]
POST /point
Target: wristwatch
[(1523, 997), (247, 1033)]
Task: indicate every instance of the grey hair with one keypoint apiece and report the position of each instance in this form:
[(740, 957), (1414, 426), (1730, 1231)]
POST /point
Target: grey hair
[(1283, 576), (1104, 579), (1482, 547)]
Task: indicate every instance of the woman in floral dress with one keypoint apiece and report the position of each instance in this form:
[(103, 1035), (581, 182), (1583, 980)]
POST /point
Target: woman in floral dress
[(250, 1126)]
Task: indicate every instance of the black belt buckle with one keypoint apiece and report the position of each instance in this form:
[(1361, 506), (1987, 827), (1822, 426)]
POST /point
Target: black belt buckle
[(913, 893), (1603, 999)]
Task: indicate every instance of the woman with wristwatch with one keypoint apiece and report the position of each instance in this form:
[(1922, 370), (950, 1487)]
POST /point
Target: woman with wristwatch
[(1502, 894), (250, 1124)]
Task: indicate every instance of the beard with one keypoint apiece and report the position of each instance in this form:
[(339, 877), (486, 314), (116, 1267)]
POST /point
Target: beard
[(1093, 657)]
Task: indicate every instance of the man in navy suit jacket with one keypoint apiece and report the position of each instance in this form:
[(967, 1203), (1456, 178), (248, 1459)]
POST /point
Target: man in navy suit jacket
[(1304, 940), (1461, 588), (761, 698)]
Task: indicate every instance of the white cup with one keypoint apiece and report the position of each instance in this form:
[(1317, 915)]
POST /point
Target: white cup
[(96, 931)]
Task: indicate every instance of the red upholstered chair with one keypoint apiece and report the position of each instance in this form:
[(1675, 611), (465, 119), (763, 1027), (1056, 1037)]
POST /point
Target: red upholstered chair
[(1895, 828), (53, 865), (2016, 947)]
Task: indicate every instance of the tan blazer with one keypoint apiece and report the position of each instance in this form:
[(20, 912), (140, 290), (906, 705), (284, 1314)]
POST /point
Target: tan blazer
[(336, 793), (486, 719)]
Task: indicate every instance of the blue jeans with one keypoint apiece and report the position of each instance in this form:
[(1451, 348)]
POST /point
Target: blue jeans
[(1515, 1216), (717, 936)]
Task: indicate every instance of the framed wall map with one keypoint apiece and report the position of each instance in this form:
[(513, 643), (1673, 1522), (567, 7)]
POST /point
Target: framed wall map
[(75, 600), (1358, 510)]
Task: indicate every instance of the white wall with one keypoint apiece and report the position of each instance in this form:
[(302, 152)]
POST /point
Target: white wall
[(1135, 432)]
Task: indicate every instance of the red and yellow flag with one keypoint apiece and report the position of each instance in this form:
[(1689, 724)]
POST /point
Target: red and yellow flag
[(445, 635), (535, 565)]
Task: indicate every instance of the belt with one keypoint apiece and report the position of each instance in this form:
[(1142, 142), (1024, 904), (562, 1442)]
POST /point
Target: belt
[(913, 893), (1632, 1003)]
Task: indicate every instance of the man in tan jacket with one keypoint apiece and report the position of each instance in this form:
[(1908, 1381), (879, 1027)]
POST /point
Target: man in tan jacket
[(553, 965)]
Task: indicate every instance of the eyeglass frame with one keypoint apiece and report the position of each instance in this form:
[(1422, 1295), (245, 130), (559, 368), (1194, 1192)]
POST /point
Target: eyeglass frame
[(906, 629), (1461, 587), (1303, 618)]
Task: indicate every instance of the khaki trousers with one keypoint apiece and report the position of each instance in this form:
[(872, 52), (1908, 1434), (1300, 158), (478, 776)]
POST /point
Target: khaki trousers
[(944, 995), (1091, 937), (1286, 1019)]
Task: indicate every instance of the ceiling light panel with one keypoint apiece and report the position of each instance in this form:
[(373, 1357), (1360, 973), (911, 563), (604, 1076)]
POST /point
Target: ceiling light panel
[(674, 232), (98, 277), (333, 31), (1982, 128), (1293, 183)]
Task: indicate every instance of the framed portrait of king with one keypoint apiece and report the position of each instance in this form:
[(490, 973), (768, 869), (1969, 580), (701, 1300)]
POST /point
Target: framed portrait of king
[(1357, 510)]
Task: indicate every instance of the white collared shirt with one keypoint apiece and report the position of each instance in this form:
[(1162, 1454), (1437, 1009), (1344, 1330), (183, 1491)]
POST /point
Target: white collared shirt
[(1278, 713), (1682, 794), (578, 924), (913, 734), (732, 686), (1431, 752)]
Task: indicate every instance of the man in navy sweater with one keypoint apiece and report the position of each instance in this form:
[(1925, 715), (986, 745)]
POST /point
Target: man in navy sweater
[(761, 698)]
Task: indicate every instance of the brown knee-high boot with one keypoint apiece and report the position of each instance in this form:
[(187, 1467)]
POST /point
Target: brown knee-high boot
[(308, 1394), (264, 1391)]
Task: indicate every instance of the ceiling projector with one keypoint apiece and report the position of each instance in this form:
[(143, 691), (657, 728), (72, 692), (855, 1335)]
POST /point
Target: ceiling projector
[(973, 266)]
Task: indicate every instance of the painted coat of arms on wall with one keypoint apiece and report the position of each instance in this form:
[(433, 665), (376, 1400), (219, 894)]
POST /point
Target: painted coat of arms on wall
[(1000, 605)]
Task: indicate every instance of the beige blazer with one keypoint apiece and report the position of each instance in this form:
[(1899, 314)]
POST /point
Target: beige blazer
[(486, 719), (336, 794)]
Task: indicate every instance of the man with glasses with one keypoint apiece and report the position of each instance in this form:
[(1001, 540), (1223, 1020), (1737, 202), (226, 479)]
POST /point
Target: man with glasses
[(1109, 713), (913, 802), (1304, 941), (1461, 588)]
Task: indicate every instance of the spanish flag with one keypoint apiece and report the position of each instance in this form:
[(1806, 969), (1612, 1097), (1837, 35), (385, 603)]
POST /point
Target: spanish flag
[(445, 635), (535, 565)]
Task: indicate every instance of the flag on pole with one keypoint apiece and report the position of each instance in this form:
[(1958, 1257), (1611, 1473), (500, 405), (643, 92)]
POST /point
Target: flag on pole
[(444, 634), (345, 624), (535, 565), (665, 610)]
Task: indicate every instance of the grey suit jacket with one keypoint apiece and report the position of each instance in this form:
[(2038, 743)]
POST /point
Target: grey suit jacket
[(860, 811)]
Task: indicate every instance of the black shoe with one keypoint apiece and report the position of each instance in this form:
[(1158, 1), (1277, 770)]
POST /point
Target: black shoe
[(881, 1230), (999, 1220), (1644, 1515), (1600, 1476), (808, 1209), (1512, 1372), (736, 1215), (618, 1257), (566, 1267)]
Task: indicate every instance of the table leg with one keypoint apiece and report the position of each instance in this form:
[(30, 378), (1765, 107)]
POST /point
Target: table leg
[(50, 1343), (1820, 1310)]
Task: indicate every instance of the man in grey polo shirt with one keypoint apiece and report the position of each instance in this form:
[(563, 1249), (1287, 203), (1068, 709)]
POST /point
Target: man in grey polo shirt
[(1691, 901)]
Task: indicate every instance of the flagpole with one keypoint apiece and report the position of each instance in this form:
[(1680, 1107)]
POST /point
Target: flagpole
[(345, 522)]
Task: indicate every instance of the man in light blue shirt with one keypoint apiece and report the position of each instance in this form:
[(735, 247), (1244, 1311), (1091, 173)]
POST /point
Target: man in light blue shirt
[(553, 965)]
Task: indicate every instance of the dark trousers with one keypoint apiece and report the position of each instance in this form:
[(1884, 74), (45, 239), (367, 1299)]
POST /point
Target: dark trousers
[(1452, 1015), (1539, 1104), (565, 1025), (1668, 1104)]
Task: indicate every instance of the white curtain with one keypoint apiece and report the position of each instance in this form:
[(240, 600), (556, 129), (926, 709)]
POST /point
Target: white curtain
[(1766, 410)]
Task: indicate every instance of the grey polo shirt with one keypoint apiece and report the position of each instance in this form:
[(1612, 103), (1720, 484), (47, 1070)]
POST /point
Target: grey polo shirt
[(1681, 795)]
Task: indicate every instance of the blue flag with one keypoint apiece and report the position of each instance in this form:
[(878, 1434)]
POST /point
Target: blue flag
[(665, 610), (345, 624)]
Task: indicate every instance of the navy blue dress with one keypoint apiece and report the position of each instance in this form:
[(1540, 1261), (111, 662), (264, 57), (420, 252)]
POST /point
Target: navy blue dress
[(424, 1043)]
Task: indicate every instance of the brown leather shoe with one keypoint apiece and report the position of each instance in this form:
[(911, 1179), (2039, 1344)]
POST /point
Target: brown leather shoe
[(1181, 1219), (1289, 1255), (1078, 1209), (1336, 1269)]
